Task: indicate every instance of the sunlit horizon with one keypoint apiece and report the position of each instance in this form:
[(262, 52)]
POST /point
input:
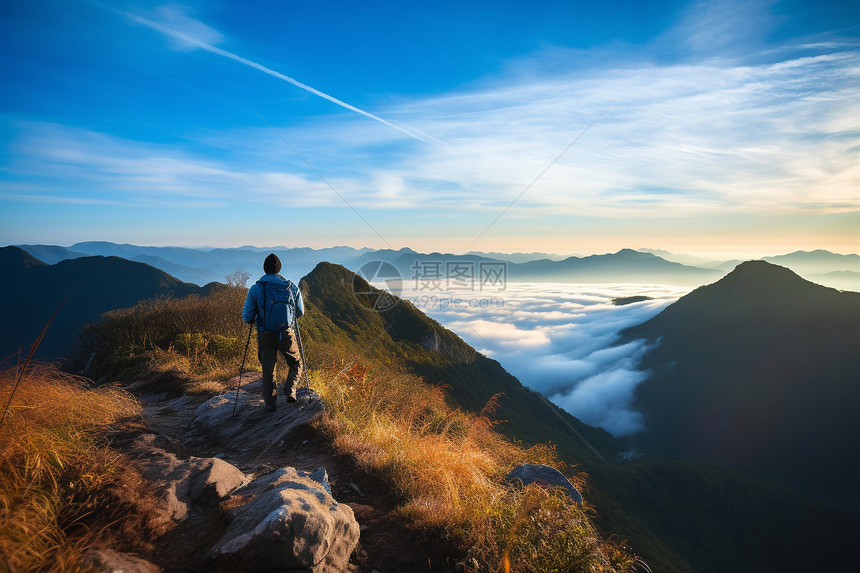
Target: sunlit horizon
[(717, 128)]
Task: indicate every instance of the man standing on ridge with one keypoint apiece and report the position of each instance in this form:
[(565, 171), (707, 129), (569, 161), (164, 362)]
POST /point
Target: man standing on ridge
[(276, 304)]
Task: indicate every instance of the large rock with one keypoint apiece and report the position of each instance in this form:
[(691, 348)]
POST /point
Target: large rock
[(180, 483), (543, 475), (109, 561), (291, 522), (250, 424), (219, 410)]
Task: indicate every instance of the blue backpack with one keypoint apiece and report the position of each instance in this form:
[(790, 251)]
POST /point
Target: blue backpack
[(277, 310)]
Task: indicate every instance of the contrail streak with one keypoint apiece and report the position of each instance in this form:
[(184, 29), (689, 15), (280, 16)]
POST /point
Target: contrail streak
[(236, 58)]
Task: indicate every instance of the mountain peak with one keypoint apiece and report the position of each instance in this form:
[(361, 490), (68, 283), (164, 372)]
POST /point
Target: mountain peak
[(325, 273), (758, 369), (752, 289), (639, 256), (633, 253), (89, 286), (762, 270), (763, 282), (16, 258)]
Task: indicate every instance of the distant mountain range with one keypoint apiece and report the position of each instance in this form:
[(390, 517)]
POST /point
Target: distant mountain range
[(810, 262), (32, 290), (761, 370), (626, 265), (204, 265), (823, 267), (518, 257), (690, 260)]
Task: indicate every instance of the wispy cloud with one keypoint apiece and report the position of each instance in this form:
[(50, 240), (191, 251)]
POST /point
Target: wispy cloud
[(186, 33), (723, 27), (104, 169), (775, 131), (717, 137), (782, 137)]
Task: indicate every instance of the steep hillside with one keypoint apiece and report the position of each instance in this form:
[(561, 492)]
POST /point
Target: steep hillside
[(32, 291), (717, 519), (759, 369), (405, 336)]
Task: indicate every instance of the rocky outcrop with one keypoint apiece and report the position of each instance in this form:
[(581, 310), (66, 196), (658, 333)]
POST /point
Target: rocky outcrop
[(216, 416), (543, 475), (109, 561), (285, 520), (177, 483), (290, 522)]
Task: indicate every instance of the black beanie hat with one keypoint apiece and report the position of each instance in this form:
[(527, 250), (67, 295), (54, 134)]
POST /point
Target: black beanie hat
[(272, 264)]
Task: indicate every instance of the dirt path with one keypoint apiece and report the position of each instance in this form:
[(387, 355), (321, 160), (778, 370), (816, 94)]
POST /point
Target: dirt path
[(257, 443)]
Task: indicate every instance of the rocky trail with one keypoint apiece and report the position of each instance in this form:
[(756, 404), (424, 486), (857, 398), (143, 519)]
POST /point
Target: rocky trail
[(259, 492)]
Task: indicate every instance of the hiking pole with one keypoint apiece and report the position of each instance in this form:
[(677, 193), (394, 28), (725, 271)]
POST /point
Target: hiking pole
[(302, 353), (241, 368)]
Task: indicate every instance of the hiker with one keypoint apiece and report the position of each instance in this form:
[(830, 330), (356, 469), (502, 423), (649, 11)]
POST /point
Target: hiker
[(275, 303)]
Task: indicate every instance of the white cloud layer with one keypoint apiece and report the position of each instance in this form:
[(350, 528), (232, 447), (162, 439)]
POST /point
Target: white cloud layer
[(560, 340)]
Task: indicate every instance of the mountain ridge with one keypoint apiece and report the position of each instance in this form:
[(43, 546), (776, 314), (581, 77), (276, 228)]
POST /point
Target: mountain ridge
[(201, 265), (758, 370), (32, 292), (404, 333)]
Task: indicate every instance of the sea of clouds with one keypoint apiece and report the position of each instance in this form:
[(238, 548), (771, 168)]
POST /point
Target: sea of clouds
[(559, 339)]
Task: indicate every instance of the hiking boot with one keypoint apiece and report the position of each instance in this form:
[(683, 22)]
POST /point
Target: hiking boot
[(291, 395)]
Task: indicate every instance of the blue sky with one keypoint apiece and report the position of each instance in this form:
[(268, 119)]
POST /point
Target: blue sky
[(725, 127)]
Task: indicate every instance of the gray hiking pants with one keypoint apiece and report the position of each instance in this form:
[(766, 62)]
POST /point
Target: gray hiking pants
[(268, 345)]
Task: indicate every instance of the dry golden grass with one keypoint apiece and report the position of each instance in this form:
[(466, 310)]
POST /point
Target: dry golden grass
[(448, 467), (202, 337), (61, 486)]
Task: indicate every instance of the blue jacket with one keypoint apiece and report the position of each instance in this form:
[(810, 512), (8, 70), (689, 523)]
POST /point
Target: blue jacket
[(254, 301)]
